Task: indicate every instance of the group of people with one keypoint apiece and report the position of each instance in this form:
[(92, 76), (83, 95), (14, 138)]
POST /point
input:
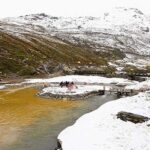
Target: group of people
[(69, 85)]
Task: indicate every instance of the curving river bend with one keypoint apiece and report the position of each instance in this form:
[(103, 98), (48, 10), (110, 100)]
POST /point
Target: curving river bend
[(28, 122)]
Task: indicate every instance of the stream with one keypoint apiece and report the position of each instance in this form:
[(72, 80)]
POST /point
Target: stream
[(28, 122)]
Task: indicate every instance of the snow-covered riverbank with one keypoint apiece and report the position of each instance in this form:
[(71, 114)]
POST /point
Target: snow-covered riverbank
[(101, 129), (79, 79), (83, 84), (80, 89)]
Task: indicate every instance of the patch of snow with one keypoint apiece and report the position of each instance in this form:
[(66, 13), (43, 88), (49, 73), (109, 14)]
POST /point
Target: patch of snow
[(80, 89), (145, 85), (79, 79), (101, 130), (2, 87)]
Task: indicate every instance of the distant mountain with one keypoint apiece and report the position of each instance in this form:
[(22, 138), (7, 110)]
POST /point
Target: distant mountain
[(34, 41)]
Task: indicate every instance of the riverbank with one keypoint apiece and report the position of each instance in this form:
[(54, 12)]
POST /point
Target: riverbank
[(102, 129), (83, 86)]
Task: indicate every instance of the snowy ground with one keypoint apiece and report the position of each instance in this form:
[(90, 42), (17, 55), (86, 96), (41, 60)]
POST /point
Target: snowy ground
[(101, 130), (80, 89), (79, 79), (84, 84), (145, 85), (2, 87)]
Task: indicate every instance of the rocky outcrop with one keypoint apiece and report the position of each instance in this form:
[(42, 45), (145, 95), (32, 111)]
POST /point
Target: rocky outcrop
[(135, 118)]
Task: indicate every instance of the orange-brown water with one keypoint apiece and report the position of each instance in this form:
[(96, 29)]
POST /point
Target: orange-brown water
[(23, 107), (26, 119)]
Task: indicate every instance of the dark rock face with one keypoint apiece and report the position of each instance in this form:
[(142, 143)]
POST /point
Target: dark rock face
[(135, 118)]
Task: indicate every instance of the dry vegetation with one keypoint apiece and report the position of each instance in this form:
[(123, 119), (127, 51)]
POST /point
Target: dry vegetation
[(27, 57)]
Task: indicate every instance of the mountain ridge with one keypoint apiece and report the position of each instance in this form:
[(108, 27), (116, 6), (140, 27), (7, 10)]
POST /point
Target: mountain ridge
[(113, 38)]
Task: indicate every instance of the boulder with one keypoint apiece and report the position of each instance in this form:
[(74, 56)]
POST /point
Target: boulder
[(135, 118)]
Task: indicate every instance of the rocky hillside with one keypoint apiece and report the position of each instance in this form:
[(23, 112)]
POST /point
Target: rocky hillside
[(41, 44)]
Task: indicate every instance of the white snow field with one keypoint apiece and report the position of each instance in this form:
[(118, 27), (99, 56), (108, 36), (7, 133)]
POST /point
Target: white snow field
[(80, 89), (80, 79), (101, 130), (83, 84)]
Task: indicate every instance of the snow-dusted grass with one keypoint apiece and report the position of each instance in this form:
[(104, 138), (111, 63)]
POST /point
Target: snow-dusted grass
[(101, 130)]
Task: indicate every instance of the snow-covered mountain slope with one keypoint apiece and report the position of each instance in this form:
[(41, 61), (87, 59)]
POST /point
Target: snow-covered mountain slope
[(116, 17), (126, 29), (119, 33)]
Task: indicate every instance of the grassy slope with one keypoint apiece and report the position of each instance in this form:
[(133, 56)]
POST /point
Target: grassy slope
[(23, 58)]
